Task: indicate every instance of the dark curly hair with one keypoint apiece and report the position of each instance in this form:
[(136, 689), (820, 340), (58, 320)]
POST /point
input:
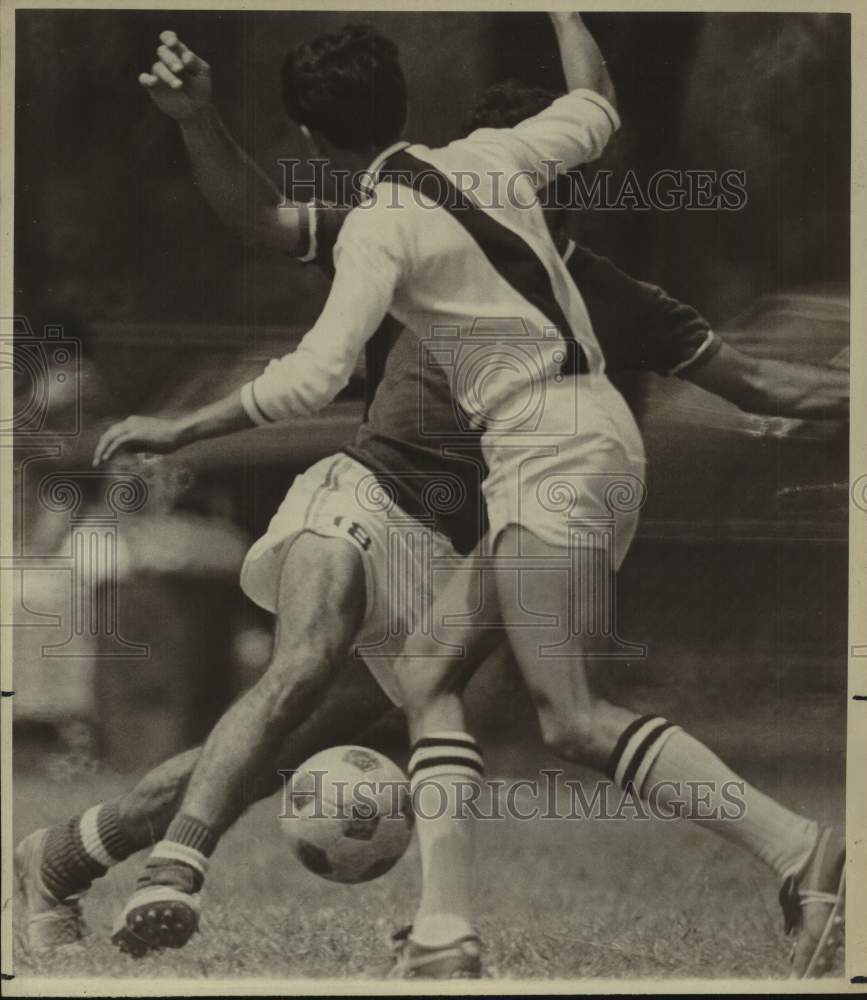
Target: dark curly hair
[(506, 104), (349, 86)]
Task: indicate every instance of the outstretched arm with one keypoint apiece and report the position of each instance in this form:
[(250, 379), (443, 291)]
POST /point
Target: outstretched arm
[(161, 435), (246, 201), (777, 388), (583, 65)]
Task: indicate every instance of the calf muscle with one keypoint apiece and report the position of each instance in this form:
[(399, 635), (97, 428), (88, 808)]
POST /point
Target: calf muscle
[(353, 704)]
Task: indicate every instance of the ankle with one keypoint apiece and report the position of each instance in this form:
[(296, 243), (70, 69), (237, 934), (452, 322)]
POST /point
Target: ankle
[(181, 859)]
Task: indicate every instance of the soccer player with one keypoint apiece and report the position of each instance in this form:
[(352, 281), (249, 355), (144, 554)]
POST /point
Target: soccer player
[(450, 269), (328, 88), (322, 567), (638, 326)]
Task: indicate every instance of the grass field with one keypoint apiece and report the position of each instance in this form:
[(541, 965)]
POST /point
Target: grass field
[(556, 899)]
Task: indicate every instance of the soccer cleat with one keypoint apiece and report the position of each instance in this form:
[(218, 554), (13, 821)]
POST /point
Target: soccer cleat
[(156, 916), (49, 923), (813, 906), (462, 959)]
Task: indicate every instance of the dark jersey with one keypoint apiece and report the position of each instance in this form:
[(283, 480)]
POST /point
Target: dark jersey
[(639, 326), (415, 438)]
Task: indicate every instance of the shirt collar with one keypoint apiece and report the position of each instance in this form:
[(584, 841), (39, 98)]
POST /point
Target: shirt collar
[(370, 178)]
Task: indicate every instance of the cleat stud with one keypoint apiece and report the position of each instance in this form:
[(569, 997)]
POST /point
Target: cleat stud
[(152, 914)]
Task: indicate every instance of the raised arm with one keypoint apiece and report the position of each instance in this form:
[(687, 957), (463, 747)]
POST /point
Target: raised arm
[(244, 198), (583, 65), (777, 388), (574, 129)]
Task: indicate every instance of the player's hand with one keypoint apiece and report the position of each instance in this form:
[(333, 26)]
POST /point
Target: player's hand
[(157, 435), (179, 81)]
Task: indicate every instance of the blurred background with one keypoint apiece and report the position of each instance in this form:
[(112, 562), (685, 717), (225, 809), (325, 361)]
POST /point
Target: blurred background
[(737, 583)]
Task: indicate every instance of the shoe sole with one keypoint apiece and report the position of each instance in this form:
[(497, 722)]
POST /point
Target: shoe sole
[(442, 966), (155, 923), (425, 973), (832, 933)]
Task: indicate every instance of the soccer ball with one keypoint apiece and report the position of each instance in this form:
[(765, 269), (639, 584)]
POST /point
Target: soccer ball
[(347, 814)]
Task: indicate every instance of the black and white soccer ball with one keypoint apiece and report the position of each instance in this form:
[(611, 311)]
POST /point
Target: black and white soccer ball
[(348, 814)]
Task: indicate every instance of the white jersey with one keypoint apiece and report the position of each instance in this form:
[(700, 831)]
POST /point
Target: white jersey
[(461, 256)]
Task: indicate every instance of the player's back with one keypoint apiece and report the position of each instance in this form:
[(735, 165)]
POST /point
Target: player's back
[(478, 275)]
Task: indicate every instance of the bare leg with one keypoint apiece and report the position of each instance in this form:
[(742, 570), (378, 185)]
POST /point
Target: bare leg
[(83, 848), (353, 703), (320, 607), (575, 722), (445, 771), (645, 755)]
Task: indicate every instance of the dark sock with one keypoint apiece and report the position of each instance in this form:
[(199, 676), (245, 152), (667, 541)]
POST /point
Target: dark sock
[(83, 849)]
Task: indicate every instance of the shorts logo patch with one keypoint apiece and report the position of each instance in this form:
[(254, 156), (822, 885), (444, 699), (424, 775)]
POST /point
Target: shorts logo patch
[(356, 532)]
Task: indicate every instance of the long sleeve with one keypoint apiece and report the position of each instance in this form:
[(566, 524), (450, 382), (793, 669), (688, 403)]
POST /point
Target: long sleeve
[(368, 268), (574, 129)]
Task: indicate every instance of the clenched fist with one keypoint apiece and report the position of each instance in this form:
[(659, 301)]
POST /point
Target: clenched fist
[(179, 81)]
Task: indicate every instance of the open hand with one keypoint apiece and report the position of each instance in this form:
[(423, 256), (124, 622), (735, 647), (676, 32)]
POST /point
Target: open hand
[(144, 434)]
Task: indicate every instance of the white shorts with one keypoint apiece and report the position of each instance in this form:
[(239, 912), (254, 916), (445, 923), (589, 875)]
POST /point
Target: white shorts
[(576, 477), (340, 498)]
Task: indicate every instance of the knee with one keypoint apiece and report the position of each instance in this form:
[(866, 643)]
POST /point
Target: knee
[(569, 735), (424, 683), (418, 689)]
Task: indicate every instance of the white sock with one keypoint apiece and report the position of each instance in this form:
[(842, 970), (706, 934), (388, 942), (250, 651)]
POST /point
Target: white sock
[(445, 768), (659, 759)]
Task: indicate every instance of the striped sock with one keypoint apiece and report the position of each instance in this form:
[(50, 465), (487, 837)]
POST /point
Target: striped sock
[(83, 849), (659, 760), (180, 859), (445, 771)]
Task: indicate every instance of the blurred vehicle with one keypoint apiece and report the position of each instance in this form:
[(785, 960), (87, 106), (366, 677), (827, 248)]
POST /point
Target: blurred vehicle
[(716, 472)]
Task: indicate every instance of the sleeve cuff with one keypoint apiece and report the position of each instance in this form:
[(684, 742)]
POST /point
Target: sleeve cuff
[(703, 353), (311, 218), (596, 98), (251, 406)]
